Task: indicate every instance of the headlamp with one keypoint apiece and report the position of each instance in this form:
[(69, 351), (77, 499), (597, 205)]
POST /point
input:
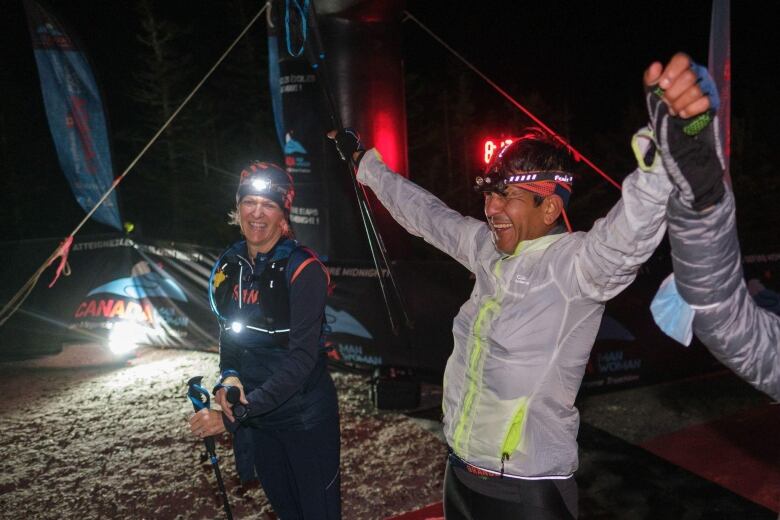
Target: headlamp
[(236, 327), (266, 180), (490, 181), (495, 179), (263, 187), (261, 184)]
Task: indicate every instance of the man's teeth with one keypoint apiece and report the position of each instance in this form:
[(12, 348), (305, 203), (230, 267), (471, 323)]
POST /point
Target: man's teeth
[(497, 225)]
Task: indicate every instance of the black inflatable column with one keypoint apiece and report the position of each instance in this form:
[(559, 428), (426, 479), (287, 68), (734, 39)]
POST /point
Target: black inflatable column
[(362, 41)]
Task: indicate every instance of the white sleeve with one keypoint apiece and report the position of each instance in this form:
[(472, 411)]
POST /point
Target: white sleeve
[(621, 242), (421, 213)]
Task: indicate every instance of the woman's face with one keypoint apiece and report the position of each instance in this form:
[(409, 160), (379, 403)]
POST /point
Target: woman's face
[(262, 223)]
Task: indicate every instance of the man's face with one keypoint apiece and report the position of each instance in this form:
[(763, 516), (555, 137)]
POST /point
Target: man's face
[(262, 223), (513, 218)]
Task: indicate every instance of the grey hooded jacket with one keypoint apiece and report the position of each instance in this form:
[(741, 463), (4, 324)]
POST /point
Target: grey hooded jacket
[(523, 338), (708, 275)]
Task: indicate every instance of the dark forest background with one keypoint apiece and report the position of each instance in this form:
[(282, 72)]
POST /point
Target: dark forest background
[(577, 66)]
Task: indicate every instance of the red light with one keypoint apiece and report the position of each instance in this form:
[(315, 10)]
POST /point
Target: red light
[(489, 147), (386, 139)]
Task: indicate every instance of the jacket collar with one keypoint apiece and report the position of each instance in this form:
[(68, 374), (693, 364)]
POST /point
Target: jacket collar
[(282, 249), (538, 244)]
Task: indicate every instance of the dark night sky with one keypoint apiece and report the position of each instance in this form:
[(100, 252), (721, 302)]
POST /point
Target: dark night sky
[(589, 54), (584, 57)]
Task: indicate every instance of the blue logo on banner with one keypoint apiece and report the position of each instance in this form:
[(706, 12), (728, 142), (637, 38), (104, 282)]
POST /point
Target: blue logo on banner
[(149, 285), (292, 146), (344, 323)]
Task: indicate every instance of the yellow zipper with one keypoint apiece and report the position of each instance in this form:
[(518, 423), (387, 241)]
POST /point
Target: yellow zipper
[(514, 434)]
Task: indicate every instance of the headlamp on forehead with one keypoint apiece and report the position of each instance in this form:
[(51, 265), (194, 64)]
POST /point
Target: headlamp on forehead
[(490, 182), (261, 184), (493, 180), (264, 187), (541, 183), (505, 169), (266, 180)]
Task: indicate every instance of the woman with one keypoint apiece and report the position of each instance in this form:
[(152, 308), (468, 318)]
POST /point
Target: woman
[(270, 297)]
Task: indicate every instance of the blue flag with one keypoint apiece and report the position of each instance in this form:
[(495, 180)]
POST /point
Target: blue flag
[(75, 113)]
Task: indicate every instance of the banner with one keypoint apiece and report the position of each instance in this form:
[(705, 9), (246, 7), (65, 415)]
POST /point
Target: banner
[(75, 113), (369, 98), (359, 331), (297, 107), (120, 289)]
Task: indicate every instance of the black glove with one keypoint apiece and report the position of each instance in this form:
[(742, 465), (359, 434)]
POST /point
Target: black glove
[(690, 148), (348, 143), (240, 410)]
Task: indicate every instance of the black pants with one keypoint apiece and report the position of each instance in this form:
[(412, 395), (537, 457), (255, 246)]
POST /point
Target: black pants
[(522, 499), (299, 471)]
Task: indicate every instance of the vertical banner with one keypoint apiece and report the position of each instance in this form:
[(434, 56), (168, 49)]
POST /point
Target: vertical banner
[(297, 106), (362, 47), (75, 113), (720, 70)]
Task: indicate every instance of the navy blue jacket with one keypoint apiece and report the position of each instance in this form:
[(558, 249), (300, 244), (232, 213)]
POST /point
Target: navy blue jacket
[(284, 375)]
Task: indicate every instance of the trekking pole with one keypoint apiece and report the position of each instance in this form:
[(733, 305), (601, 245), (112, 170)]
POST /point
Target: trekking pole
[(200, 401)]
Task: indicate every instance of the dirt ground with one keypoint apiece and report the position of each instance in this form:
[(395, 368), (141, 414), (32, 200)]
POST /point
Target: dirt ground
[(112, 442)]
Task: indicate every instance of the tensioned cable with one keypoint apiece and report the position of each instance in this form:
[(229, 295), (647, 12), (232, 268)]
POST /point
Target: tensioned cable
[(505, 94), (170, 119), (18, 299)]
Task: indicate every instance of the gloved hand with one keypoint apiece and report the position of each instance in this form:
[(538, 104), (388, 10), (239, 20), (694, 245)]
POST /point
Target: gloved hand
[(348, 144), (681, 101), (220, 396)]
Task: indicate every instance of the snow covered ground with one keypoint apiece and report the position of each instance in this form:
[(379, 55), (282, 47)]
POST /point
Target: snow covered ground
[(112, 442)]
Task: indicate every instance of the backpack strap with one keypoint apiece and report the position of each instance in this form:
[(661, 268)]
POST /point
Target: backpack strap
[(311, 257)]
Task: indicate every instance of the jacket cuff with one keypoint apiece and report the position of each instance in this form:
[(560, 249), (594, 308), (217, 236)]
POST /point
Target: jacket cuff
[(367, 162), (227, 378), (228, 373)]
